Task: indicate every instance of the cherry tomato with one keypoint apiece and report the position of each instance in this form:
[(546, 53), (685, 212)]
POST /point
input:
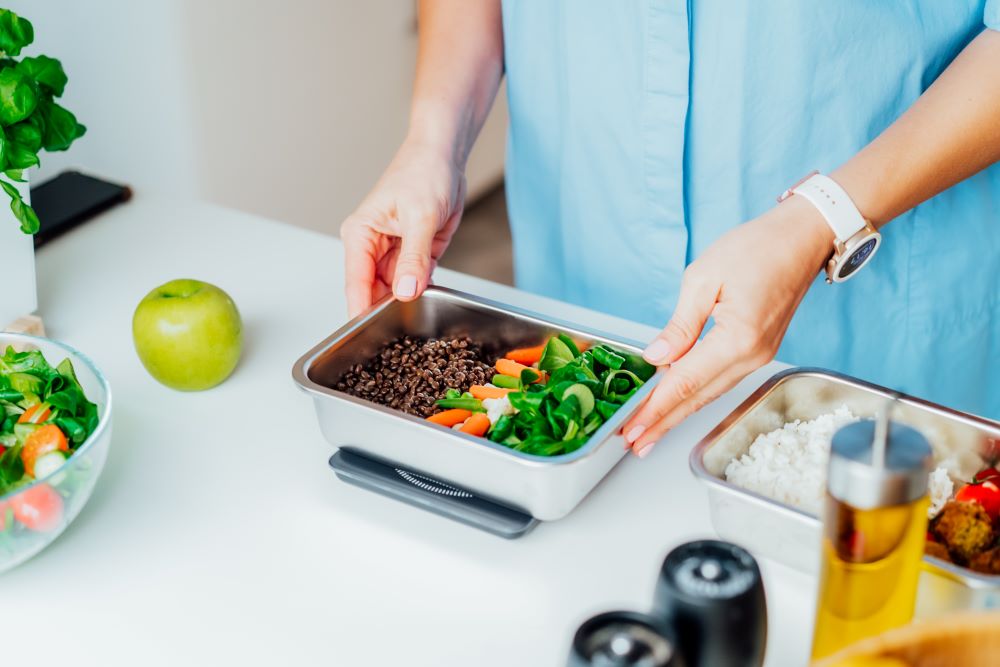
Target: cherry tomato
[(3, 516), (988, 473), (986, 494), (48, 438), (38, 508)]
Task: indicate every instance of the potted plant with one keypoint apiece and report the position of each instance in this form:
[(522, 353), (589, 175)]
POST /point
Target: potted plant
[(30, 121)]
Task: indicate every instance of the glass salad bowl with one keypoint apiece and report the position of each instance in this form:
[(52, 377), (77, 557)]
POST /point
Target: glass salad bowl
[(33, 513)]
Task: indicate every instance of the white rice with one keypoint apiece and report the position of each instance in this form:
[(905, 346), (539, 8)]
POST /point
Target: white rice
[(789, 464), (940, 489)]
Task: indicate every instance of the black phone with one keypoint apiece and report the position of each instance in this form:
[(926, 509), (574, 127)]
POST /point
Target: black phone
[(70, 199)]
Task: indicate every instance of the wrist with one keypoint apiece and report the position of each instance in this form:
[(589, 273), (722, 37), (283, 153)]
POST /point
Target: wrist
[(808, 226), (436, 127)]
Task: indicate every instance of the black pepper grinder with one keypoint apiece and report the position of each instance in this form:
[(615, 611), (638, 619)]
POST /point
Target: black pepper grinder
[(711, 594), (623, 639)]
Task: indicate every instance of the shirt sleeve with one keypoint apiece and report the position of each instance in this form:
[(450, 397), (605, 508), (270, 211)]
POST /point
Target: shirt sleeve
[(991, 15)]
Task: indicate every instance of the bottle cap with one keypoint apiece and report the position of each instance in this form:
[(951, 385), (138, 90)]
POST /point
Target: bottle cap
[(869, 469), (712, 594), (623, 639)]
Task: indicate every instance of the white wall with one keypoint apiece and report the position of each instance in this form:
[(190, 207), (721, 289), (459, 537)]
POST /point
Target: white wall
[(126, 85), (290, 111)]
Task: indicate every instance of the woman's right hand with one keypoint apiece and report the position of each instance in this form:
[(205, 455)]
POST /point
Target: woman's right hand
[(393, 241)]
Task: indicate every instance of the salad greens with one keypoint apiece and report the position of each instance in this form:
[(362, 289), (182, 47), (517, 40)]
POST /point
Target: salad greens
[(559, 401), (43, 413)]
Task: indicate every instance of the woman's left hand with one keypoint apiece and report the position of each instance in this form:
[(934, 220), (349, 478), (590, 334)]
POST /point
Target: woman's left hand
[(750, 281)]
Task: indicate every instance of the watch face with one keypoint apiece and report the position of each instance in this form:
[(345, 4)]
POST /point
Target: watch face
[(857, 258)]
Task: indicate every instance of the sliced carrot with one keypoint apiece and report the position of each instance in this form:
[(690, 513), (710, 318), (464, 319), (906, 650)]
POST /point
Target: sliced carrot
[(36, 414), (45, 439), (478, 424), (481, 391), (450, 417), (526, 355), (581, 345), (513, 369)]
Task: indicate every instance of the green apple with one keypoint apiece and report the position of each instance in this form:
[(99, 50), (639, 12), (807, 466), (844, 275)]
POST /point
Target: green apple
[(188, 334)]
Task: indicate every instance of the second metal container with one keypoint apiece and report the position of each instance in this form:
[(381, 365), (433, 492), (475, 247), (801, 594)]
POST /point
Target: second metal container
[(783, 533)]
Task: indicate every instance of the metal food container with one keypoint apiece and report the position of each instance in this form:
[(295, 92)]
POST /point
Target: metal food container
[(548, 488), (790, 536)]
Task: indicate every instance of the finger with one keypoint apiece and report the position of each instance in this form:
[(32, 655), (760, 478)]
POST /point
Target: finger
[(413, 265), (359, 265), (694, 307), (685, 378), (720, 385)]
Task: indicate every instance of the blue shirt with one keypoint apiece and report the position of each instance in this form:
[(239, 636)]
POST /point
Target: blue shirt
[(642, 130)]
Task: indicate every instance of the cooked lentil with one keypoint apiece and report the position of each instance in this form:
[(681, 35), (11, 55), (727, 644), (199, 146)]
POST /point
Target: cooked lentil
[(410, 373)]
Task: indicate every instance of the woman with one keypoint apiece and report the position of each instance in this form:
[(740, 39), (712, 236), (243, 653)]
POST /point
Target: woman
[(647, 143)]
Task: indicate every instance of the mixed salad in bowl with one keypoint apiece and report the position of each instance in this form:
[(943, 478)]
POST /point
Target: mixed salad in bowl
[(51, 450)]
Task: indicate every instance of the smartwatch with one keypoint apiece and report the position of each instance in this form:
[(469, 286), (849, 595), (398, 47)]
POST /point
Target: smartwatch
[(856, 240)]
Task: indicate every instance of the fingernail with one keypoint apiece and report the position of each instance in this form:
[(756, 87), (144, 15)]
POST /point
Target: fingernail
[(644, 452), (657, 351), (406, 287), (635, 433)]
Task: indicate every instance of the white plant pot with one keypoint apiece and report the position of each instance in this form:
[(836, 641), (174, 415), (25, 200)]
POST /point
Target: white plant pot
[(18, 295)]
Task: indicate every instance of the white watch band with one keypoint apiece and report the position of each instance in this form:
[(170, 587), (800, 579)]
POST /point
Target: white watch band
[(833, 203)]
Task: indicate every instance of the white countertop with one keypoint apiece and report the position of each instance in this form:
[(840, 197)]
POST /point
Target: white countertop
[(218, 534)]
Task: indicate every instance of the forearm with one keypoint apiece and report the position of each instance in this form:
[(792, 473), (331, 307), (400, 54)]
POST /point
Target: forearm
[(459, 66), (949, 134)]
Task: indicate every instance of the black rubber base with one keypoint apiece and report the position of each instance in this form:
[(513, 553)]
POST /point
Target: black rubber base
[(430, 494)]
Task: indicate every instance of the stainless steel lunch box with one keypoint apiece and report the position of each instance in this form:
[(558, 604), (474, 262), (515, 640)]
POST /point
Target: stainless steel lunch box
[(548, 488), (790, 536)]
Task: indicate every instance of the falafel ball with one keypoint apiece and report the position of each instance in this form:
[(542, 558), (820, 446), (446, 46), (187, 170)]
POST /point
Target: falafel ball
[(965, 528), (987, 562), (937, 550)]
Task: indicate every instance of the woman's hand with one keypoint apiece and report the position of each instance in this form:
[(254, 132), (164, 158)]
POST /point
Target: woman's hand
[(393, 241), (750, 281)]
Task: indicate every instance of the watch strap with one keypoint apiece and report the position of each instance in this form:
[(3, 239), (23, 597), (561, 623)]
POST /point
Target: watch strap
[(833, 203)]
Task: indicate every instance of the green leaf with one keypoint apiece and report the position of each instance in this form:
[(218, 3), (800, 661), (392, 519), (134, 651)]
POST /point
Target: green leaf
[(47, 72), (15, 175), (17, 96), (556, 355), (60, 127), (66, 400), (29, 361), (502, 429), (15, 33), (606, 409), (27, 134), (20, 157), (11, 467), (24, 213), (26, 383), (639, 366), (569, 343)]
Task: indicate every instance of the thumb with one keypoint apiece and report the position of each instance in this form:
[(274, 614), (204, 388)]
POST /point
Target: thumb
[(694, 307), (413, 266)]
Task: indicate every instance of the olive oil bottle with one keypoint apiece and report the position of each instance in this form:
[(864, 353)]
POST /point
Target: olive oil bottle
[(874, 528)]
